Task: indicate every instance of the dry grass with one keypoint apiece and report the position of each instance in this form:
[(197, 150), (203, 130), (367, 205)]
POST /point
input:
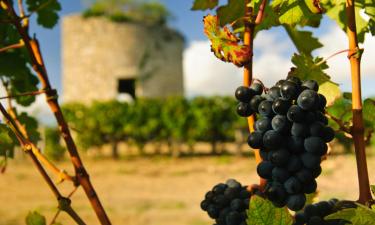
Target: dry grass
[(151, 191)]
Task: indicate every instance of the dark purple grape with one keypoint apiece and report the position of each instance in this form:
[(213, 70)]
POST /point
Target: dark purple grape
[(263, 124), (300, 130), (274, 92), (244, 94), (309, 160), (315, 145), (311, 84), (289, 90), (280, 157), (272, 139), (257, 88), (296, 202), (280, 124), (265, 108), (280, 106), (296, 114), (264, 169), (255, 140), (244, 110), (307, 99), (255, 101), (293, 185)]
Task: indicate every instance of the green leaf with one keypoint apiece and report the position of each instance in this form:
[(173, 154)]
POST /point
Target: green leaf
[(47, 11), (35, 218), (263, 212), (357, 216), (307, 69), (368, 110), (204, 4), (294, 12), (372, 189), (336, 10), (303, 40), (224, 44), (15, 67), (7, 141), (231, 12), (31, 125)]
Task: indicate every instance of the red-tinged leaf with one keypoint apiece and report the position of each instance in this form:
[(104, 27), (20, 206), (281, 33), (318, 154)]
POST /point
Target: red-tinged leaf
[(224, 44)]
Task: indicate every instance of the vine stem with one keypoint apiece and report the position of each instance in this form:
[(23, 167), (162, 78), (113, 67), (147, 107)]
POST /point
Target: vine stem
[(61, 174), (32, 47), (27, 147), (358, 127), (13, 46), (248, 74)]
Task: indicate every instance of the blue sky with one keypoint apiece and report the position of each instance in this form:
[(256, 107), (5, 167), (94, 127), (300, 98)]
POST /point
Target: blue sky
[(186, 21), (271, 59)]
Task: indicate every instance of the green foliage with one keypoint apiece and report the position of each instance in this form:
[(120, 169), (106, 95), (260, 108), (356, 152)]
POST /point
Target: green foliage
[(153, 13), (263, 212), (231, 12), (7, 141), (174, 119), (46, 10), (360, 215), (204, 4), (35, 218), (294, 12), (304, 41), (335, 9), (53, 148)]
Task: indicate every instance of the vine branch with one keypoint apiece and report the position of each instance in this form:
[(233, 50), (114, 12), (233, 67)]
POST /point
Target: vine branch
[(13, 46), (27, 147), (33, 49), (248, 72), (358, 127)]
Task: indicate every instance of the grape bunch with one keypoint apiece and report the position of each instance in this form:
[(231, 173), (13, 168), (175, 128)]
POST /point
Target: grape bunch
[(227, 203), (314, 214), (291, 132)]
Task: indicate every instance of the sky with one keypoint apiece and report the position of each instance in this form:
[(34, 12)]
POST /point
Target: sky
[(206, 75)]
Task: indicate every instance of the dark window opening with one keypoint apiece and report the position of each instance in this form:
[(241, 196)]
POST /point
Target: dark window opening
[(126, 86)]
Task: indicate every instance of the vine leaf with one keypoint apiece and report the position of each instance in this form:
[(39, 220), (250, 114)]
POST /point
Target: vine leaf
[(7, 141), (15, 67), (304, 41), (307, 69), (204, 4), (46, 10), (335, 9), (35, 218), (231, 12), (295, 12), (224, 44), (263, 212), (360, 215)]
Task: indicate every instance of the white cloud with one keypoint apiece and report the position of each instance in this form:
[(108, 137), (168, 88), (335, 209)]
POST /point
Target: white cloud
[(206, 75), (335, 40)]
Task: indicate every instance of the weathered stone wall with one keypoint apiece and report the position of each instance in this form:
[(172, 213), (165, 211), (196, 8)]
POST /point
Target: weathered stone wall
[(98, 52)]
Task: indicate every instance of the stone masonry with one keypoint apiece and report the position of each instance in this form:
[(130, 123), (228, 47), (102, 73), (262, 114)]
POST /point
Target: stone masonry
[(98, 52)]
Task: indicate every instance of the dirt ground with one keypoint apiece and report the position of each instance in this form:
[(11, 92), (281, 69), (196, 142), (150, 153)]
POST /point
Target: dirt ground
[(151, 191)]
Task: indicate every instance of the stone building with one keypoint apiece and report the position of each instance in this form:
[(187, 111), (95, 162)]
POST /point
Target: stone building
[(104, 60)]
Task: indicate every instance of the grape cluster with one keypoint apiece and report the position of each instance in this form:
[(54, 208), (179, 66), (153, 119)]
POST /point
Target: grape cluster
[(291, 133), (314, 214), (227, 203)]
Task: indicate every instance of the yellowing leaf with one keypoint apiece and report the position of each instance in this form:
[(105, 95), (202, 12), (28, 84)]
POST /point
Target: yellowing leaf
[(224, 44)]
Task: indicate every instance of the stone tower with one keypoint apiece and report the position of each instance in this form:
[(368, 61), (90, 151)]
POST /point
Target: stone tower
[(104, 60)]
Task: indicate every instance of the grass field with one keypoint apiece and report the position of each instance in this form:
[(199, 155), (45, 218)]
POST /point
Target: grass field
[(151, 191)]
